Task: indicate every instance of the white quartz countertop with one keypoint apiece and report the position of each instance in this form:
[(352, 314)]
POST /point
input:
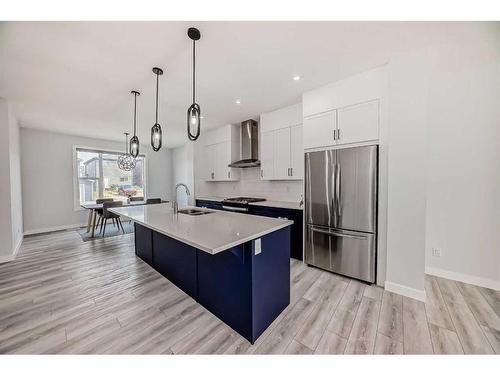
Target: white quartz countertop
[(266, 203), (213, 233)]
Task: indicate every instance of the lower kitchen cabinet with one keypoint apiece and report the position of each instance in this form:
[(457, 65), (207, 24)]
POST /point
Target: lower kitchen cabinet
[(296, 230), (177, 262), (209, 204), (144, 243)]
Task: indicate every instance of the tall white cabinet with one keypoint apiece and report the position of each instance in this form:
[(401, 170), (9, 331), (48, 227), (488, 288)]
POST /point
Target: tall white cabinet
[(282, 151), (221, 149)]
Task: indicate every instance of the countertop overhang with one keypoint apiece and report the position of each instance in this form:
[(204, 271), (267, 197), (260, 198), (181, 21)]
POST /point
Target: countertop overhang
[(212, 233)]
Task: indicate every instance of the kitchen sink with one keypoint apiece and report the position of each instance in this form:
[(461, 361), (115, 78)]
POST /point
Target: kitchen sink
[(194, 212)]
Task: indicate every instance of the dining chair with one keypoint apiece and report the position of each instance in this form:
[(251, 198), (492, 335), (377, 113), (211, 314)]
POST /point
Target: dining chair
[(99, 210), (136, 199), (109, 215)]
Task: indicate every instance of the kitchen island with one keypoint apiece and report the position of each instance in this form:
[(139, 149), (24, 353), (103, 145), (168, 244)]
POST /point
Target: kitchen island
[(235, 265)]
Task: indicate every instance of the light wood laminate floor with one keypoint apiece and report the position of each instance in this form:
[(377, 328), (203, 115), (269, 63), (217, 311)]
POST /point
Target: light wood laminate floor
[(62, 295)]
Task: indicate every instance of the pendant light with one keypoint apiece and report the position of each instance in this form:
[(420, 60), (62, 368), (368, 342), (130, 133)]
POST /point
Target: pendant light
[(156, 129), (193, 113), (125, 161), (134, 141)]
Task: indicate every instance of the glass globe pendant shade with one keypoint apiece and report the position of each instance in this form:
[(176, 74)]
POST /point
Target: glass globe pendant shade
[(126, 162), (156, 137), (193, 121), (134, 146)]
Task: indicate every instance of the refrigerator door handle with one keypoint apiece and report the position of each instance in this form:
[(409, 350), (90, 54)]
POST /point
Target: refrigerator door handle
[(338, 234), (338, 192)]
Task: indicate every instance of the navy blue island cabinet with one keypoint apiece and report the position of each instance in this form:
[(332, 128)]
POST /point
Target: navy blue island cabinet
[(246, 286), (296, 230)]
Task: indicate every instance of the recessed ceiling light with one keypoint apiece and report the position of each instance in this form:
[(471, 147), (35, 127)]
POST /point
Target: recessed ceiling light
[(238, 101), (202, 117), (296, 77)]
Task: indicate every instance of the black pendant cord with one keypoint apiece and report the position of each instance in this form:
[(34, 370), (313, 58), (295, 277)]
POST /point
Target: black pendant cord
[(194, 70), (135, 113), (157, 76), (193, 113)]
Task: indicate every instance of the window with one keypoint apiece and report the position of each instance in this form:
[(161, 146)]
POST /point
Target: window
[(99, 176)]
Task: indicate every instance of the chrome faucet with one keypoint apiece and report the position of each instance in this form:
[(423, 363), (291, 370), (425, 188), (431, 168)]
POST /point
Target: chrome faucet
[(175, 204)]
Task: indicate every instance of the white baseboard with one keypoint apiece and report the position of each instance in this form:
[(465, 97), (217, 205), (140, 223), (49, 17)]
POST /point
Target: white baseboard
[(9, 258), (53, 229), (405, 291), (6, 258), (469, 279)]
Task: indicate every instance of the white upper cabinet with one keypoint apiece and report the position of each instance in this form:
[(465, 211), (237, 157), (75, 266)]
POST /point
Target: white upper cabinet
[(320, 130), (267, 155), (297, 158), (358, 123), (282, 153), (221, 149), (281, 149), (344, 112)]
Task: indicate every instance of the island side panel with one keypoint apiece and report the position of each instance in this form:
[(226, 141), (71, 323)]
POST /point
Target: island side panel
[(270, 279), (224, 287), (177, 262), (144, 243)]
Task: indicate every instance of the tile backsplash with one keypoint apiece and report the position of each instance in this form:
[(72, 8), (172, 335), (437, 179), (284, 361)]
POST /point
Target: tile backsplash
[(250, 184)]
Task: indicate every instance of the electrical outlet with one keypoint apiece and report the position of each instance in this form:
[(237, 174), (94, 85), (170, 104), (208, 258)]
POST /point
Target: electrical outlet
[(436, 252), (258, 248)]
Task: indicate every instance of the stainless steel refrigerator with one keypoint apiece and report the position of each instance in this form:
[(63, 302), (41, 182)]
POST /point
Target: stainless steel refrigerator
[(341, 211)]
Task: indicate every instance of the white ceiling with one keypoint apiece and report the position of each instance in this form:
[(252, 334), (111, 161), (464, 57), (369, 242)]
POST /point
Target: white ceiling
[(76, 77)]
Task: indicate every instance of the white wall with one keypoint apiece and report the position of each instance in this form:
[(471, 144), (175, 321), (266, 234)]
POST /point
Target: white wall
[(11, 229), (463, 188), (47, 176), (406, 173), (183, 171)]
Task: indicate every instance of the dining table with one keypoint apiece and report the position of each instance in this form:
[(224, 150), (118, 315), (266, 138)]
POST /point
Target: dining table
[(93, 207)]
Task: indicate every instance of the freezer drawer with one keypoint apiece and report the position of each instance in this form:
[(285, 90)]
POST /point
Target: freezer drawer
[(345, 252)]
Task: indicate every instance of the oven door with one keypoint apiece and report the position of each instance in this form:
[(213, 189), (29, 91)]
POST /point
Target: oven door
[(234, 207)]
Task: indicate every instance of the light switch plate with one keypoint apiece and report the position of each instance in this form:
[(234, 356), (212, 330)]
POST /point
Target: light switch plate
[(258, 246)]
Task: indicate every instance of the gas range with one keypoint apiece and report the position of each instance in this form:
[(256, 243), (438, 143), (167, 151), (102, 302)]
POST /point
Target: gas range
[(239, 204)]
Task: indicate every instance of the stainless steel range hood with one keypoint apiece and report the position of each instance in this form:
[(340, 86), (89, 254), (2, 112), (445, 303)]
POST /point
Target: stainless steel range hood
[(249, 146)]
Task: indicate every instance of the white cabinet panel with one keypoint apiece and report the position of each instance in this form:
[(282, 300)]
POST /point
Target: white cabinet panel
[(282, 153), (318, 130), (217, 159), (267, 155), (297, 152), (281, 118), (210, 158), (223, 158), (358, 123)]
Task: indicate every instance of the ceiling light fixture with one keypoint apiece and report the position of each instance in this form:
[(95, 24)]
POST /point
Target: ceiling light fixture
[(238, 101), (296, 77), (156, 129), (134, 141), (125, 161), (193, 112)]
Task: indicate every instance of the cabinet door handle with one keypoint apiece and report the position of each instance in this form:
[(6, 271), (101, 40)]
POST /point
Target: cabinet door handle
[(338, 133), (334, 134), (261, 173), (291, 171), (228, 174)]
